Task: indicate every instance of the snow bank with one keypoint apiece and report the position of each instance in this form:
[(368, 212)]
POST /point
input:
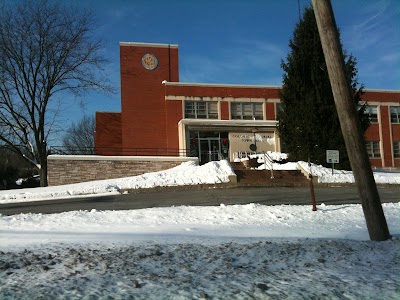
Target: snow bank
[(342, 176), (277, 166), (187, 173), (234, 221)]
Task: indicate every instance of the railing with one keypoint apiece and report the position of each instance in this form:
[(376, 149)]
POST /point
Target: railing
[(220, 156), (60, 150), (268, 161)]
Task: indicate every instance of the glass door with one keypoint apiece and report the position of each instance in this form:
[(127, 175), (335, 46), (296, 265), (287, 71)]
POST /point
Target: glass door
[(209, 149), (209, 146)]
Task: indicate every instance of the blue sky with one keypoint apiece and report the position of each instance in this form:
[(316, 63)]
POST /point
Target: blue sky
[(243, 41)]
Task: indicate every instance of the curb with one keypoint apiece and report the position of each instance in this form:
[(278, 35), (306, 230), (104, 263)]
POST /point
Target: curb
[(230, 185)]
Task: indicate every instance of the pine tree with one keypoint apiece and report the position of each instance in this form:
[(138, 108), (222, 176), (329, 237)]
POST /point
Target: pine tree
[(308, 122)]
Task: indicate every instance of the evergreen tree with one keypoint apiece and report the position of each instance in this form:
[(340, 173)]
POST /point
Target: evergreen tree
[(308, 121)]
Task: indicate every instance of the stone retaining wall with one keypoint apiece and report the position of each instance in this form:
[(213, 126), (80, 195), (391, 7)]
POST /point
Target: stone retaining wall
[(66, 169)]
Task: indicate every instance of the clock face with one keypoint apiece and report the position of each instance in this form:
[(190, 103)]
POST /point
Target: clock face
[(149, 61)]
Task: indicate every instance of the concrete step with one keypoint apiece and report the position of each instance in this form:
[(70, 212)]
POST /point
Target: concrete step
[(253, 177)]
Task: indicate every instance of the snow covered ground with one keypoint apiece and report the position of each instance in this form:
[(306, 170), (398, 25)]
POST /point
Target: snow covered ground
[(225, 252), (341, 176)]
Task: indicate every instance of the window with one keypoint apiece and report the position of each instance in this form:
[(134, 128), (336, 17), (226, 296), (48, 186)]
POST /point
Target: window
[(201, 110), (395, 114), (247, 111), (372, 112), (373, 149), (396, 149)]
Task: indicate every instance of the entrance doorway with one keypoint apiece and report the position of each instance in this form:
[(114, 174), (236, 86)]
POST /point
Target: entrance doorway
[(209, 149), (209, 146)]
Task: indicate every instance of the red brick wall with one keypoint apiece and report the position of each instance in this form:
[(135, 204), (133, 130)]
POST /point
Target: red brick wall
[(224, 110), (107, 136), (143, 95), (174, 115), (270, 110), (381, 96), (222, 91), (372, 133)]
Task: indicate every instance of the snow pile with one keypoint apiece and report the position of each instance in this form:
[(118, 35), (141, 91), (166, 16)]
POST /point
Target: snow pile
[(251, 220), (279, 167), (188, 173), (185, 174), (276, 156), (275, 165), (342, 176)]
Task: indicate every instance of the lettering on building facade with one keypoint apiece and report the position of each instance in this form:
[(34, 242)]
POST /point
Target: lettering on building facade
[(249, 137)]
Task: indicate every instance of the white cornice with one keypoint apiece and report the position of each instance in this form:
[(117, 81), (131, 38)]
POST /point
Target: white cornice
[(238, 123), (155, 45), (120, 158), (222, 85), (381, 91)]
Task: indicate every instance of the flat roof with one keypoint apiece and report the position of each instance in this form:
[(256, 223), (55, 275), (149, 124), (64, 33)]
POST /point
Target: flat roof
[(381, 90), (156, 45), (253, 86), (238, 123), (221, 85)]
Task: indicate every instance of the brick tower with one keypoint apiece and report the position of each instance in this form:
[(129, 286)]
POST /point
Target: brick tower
[(143, 69)]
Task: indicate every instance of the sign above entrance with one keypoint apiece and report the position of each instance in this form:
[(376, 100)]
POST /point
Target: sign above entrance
[(248, 142), (250, 137)]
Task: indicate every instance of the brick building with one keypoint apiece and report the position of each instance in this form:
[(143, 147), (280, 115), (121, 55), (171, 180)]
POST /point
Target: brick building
[(162, 116)]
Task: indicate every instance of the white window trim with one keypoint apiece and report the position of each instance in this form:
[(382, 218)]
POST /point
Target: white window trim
[(196, 109), (241, 103)]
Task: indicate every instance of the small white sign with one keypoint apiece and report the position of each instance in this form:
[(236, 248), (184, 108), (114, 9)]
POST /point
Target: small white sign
[(332, 156)]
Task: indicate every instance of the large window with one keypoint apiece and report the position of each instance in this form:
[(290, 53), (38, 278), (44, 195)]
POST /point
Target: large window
[(247, 111), (373, 149), (396, 149), (372, 112), (395, 114), (201, 110)]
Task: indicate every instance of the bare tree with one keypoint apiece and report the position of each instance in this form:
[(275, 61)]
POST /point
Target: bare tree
[(79, 137), (47, 52)]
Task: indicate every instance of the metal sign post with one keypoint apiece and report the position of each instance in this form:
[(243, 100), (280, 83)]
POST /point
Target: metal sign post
[(332, 156)]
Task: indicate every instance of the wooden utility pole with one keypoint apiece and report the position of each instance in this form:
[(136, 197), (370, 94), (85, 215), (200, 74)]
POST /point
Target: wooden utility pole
[(349, 123)]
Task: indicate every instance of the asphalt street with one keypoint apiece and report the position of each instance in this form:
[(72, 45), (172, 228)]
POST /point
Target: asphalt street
[(204, 197)]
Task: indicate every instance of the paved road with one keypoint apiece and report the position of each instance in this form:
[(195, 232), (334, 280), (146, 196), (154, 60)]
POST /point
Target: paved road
[(262, 195)]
